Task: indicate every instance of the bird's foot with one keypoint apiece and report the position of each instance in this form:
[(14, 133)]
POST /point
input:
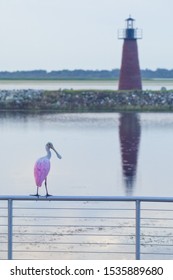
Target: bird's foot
[(35, 195), (47, 195)]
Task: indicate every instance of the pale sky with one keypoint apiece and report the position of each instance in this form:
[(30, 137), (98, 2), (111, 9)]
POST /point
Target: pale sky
[(82, 34)]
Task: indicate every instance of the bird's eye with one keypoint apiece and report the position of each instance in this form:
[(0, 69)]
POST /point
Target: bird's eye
[(50, 145)]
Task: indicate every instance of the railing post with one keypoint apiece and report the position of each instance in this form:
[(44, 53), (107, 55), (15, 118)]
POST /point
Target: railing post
[(10, 228), (138, 229)]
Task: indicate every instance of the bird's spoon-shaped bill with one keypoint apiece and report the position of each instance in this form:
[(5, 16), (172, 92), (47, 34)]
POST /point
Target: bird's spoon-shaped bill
[(58, 155)]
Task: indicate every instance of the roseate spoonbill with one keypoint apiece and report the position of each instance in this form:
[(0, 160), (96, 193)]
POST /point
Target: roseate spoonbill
[(42, 168)]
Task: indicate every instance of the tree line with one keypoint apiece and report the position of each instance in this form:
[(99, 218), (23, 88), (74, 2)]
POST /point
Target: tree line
[(80, 74)]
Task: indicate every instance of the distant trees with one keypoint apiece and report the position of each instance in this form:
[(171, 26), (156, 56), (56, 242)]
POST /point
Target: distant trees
[(158, 73), (80, 74)]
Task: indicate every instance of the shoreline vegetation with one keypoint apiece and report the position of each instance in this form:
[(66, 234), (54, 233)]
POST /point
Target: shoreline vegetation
[(80, 74), (73, 101)]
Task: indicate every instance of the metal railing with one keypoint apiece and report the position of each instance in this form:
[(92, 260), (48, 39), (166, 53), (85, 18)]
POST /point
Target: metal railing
[(86, 227)]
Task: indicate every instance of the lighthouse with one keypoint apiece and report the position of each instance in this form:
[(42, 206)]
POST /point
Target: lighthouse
[(130, 76)]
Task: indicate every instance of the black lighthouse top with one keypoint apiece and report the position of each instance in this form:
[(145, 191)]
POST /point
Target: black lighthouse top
[(130, 33)]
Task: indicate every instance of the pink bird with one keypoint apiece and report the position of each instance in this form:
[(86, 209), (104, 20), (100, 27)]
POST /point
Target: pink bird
[(42, 168)]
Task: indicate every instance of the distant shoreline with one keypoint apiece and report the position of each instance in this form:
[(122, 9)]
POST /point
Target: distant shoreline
[(80, 79), (78, 74), (73, 101)]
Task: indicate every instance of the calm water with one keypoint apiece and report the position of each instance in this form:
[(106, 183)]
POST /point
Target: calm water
[(55, 85), (102, 154)]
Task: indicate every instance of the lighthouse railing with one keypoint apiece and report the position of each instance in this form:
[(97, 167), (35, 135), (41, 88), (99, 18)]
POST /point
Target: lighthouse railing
[(123, 33), (93, 225)]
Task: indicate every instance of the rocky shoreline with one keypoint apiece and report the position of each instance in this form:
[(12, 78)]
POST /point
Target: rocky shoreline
[(86, 100)]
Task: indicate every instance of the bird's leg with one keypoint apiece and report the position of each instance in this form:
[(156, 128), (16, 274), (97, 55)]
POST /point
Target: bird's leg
[(36, 193), (47, 194)]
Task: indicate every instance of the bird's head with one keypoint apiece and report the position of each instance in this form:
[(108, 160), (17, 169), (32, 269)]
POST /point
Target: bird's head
[(49, 146)]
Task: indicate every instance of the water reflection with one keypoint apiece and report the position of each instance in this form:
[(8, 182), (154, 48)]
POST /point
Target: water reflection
[(98, 149), (129, 134)]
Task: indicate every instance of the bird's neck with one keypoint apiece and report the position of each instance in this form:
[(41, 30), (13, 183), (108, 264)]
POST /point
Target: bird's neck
[(48, 153)]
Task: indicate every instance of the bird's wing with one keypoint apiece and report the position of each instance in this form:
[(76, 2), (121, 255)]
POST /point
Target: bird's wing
[(41, 170)]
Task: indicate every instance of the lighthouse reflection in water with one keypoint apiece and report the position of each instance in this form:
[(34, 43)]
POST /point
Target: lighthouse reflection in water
[(129, 134)]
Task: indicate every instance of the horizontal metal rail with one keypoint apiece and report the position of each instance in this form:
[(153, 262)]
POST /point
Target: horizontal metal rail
[(88, 198), (150, 230)]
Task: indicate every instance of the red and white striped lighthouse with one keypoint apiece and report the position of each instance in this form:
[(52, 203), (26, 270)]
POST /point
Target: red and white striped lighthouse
[(130, 76)]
